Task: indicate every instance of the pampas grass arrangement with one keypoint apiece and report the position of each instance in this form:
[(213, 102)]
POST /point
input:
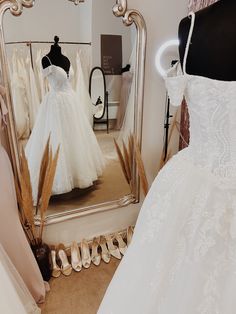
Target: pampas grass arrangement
[(24, 192), (126, 155)]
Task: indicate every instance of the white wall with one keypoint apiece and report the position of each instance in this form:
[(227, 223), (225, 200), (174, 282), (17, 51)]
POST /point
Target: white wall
[(45, 20), (104, 22), (48, 18)]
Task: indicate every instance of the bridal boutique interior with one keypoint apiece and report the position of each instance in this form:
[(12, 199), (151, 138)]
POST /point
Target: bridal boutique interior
[(86, 125)]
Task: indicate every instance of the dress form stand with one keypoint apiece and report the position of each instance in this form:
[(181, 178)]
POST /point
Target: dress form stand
[(12, 237), (212, 49), (55, 57)]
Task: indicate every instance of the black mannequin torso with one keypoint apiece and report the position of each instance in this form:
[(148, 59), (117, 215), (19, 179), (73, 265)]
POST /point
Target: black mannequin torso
[(56, 57), (212, 52)]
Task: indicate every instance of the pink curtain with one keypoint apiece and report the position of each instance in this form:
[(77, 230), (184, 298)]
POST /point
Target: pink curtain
[(194, 5)]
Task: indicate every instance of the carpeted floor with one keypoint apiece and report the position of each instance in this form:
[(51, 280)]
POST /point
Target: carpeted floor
[(111, 186), (80, 293)]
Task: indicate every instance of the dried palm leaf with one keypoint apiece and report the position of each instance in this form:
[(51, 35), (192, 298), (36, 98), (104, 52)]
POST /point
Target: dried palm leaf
[(121, 159), (127, 161), (27, 202), (140, 166), (18, 195), (43, 169), (47, 188), (131, 149), (26, 174)]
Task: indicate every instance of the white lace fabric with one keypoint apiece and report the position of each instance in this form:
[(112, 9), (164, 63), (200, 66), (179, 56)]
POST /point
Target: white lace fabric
[(182, 259)]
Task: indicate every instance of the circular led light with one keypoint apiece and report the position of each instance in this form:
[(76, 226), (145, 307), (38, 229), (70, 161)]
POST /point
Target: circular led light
[(166, 45)]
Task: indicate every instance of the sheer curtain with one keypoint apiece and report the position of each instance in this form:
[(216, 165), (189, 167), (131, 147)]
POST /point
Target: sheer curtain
[(194, 5)]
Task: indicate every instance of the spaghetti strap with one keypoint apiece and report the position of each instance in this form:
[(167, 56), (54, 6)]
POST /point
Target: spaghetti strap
[(192, 15), (49, 60)]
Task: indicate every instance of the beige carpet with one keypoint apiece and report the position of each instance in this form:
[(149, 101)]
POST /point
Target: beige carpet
[(111, 186), (80, 293)]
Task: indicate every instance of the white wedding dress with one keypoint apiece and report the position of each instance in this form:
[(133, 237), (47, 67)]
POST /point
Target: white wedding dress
[(62, 116), (182, 259), (15, 298)]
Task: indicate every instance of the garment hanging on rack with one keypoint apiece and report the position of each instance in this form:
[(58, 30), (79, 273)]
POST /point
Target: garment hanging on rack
[(86, 63), (82, 90), (128, 121), (42, 85), (33, 101), (19, 98), (126, 83)]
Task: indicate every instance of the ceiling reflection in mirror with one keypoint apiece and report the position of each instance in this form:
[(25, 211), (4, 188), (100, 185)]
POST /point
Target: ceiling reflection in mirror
[(52, 50)]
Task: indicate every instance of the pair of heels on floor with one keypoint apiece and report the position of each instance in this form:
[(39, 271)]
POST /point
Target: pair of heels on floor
[(118, 250), (115, 250), (79, 258), (129, 234), (59, 254)]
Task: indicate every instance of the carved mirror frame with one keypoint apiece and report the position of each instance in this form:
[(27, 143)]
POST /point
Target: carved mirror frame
[(129, 17)]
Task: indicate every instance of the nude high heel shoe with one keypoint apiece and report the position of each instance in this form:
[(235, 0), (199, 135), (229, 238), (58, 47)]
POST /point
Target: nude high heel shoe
[(113, 249), (96, 257), (130, 232), (106, 256), (56, 271), (121, 244), (66, 268), (76, 261), (85, 252)]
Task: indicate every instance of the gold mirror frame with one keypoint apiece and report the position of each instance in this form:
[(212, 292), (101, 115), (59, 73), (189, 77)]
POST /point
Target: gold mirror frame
[(129, 16)]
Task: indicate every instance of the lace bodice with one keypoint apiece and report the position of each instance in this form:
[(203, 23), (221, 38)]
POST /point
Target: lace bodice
[(57, 77), (212, 110)]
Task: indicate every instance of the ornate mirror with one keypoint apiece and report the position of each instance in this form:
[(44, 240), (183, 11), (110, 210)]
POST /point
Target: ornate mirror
[(46, 60)]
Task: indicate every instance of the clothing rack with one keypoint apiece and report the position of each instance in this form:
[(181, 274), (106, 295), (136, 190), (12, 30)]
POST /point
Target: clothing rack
[(30, 42)]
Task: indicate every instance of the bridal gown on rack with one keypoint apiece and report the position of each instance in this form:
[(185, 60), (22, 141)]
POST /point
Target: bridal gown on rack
[(182, 259), (61, 115)]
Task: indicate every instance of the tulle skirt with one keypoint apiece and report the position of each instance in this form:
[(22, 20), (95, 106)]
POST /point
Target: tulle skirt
[(182, 259), (80, 160)]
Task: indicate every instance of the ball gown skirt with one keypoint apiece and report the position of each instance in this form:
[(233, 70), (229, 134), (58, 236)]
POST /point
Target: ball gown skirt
[(61, 115)]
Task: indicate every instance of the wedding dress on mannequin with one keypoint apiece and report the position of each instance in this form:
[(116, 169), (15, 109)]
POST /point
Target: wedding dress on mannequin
[(12, 237), (182, 259), (62, 115)]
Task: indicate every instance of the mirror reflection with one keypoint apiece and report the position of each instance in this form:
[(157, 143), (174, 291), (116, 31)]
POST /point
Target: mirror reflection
[(72, 79)]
